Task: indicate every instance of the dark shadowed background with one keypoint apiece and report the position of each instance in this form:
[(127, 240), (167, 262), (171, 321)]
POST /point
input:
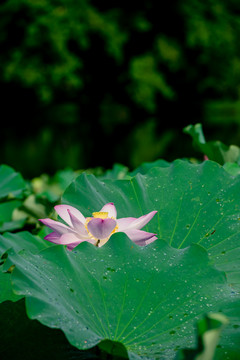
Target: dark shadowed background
[(89, 83)]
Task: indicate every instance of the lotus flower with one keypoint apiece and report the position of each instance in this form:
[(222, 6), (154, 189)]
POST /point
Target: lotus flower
[(96, 229)]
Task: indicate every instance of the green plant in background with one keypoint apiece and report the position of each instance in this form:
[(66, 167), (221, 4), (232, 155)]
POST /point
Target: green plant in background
[(44, 32), (229, 156), (92, 70), (56, 31)]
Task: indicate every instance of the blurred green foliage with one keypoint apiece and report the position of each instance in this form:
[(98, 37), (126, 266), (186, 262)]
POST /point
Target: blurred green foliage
[(87, 83)]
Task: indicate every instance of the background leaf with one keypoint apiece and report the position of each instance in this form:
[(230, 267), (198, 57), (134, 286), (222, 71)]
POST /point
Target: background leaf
[(12, 192), (6, 292), (10, 245), (11, 183), (208, 331), (214, 150), (145, 167)]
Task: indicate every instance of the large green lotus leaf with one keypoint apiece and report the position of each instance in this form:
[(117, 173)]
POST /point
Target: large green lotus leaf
[(11, 182), (147, 298), (196, 203)]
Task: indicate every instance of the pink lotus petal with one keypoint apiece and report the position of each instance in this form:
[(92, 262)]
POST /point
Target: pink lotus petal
[(64, 239), (52, 237), (110, 209), (124, 223), (140, 237), (135, 223), (56, 226), (73, 245), (149, 241), (101, 228), (62, 211), (78, 226)]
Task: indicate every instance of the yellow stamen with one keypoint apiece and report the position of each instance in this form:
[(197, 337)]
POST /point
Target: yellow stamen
[(100, 215)]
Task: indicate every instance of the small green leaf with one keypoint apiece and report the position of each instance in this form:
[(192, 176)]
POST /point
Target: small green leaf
[(117, 172), (7, 221), (209, 330), (232, 168), (12, 184), (10, 245), (6, 292), (214, 150), (145, 167), (7, 208)]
